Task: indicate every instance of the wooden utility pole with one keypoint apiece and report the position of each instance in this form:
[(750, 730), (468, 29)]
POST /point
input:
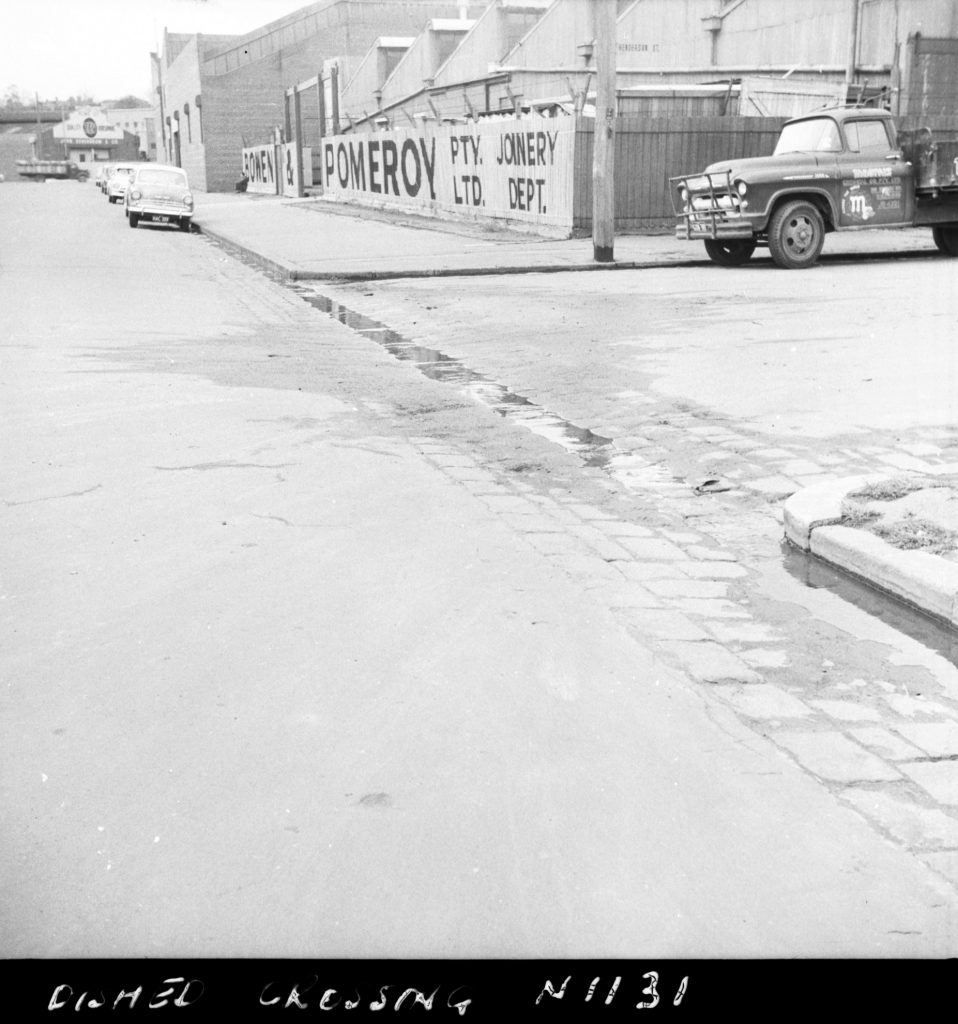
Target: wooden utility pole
[(321, 108), (298, 141), (852, 48), (334, 96), (603, 153)]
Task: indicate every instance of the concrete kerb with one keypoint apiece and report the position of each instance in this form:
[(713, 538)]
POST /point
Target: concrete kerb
[(488, 271), (812, 520), (291, 273), (288, 272), (283, 270)]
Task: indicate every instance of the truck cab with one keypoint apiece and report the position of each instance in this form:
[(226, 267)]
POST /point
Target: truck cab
[(838, 169)]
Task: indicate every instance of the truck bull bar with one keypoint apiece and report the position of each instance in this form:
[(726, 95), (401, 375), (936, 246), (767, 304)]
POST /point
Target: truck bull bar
[(719, 217)]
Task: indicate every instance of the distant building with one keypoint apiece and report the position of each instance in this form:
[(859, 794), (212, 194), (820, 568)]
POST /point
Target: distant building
[(215, 94), (139, 121), (87, 135), (394, 62)]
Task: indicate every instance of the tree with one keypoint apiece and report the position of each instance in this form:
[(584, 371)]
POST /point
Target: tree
[(11, 98), (128, 101)]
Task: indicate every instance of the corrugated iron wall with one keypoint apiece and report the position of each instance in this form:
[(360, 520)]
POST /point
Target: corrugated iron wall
[(650, 150)]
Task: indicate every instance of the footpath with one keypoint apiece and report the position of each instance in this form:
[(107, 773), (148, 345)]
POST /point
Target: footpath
[(314, 239)]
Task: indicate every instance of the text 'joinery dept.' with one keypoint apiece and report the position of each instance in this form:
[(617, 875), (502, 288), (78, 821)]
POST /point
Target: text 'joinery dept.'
[(467, 164)]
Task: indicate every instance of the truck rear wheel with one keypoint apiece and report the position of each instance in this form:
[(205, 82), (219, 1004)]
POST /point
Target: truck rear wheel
[(946, 238), (796, 234), (731, 253)]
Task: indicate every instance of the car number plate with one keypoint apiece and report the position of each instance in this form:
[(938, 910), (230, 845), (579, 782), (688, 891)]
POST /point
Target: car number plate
[(162, 220)]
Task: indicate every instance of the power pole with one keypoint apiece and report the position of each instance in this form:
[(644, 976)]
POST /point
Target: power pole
[(852, 47), (603, 153)]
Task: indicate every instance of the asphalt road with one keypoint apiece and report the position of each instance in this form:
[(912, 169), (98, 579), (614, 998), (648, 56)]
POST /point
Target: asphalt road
[(282, 677)]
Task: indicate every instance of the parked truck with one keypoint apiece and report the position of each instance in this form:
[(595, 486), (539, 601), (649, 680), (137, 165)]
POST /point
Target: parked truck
[(838, 169), (40, 170)]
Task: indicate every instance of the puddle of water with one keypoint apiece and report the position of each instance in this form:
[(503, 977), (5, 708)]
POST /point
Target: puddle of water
[(594, 449), (819, 575)]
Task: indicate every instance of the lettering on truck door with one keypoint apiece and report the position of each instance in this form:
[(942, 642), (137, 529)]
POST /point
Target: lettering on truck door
[(875, 181)]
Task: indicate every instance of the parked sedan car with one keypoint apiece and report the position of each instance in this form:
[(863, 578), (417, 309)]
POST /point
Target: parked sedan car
[(116, 183), (159, 193)]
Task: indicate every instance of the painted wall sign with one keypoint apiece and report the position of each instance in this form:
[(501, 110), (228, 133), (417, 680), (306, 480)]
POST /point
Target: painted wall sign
[(259, 165), (291, 173), (88, 131), (513, 170)]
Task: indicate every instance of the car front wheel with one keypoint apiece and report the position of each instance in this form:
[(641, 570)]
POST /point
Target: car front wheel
[(796, 234), (133, 218), (731, 253)]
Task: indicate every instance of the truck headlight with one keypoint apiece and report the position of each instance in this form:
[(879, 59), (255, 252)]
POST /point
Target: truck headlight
[(741, 188), (187, 200), (136, 194)]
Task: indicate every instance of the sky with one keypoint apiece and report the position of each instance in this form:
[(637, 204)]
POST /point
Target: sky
[(101, 48)]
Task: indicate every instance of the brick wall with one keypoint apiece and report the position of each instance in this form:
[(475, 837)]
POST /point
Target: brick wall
[(182, 79), (244, 106), (243, 94)]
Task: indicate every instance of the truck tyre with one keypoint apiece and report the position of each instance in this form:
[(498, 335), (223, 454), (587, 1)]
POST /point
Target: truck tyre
[(731, 253), (796, 233), (134, 219), (946, 238)]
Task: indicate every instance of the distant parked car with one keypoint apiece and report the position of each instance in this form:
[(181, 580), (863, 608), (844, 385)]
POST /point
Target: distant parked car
[(159, 193), (116, 183), (107, 174), (102, 172)]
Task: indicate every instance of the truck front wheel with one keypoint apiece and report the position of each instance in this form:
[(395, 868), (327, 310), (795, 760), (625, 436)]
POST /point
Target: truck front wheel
[(796, 233), (946, 239), (731, 253)]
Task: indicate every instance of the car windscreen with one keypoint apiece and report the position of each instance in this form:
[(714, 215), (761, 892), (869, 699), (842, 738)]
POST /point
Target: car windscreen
[(157, 177), (816, 135)]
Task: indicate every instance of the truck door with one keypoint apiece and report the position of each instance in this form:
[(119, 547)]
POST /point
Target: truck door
[(876, 182)]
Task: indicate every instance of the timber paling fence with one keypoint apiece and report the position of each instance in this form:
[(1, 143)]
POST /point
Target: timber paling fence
[(650, 150)]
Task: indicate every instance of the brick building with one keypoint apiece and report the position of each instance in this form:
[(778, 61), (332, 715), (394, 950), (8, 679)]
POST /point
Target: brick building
[(215, 94)]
